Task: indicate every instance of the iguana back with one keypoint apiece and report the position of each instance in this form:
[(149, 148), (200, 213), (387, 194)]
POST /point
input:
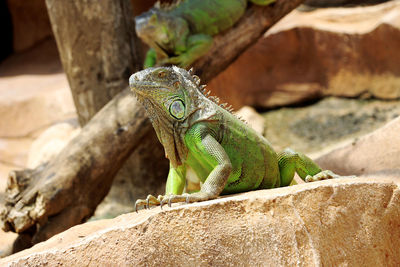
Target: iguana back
[(209, 16)]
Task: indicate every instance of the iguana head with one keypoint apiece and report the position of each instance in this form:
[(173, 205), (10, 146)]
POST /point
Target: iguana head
[(164, 91), (169, 95), (165, 33)]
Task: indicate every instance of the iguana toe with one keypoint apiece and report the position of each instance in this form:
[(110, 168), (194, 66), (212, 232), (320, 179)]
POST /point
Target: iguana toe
[(146, 203), (323, 175), (187, 198)]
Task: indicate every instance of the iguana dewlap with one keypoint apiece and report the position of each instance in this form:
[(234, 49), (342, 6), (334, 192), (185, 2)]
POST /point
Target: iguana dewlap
[(202, 136)]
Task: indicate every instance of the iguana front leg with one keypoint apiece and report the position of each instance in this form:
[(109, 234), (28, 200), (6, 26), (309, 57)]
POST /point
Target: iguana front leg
[(197, 45), (209, 151), (151, 58), (175, 184)]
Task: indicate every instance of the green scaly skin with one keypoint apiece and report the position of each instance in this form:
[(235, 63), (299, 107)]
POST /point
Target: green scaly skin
[(200, 135), (181, 33)]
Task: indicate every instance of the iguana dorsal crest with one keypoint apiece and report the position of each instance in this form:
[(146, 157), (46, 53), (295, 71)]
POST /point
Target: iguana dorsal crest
[(167, 6)]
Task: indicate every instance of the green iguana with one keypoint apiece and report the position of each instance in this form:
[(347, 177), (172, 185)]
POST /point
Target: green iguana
[(181, 33), (202, 137)]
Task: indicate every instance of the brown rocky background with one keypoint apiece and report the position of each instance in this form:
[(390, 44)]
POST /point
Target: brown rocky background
[(345, 52), (312, 53)]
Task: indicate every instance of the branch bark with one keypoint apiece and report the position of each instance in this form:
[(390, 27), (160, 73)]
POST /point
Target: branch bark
[(65, 191), (98, 48)]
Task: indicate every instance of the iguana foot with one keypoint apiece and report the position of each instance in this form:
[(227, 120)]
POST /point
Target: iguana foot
[(324, 175), (169, 199), (187, 198), (149, 201)]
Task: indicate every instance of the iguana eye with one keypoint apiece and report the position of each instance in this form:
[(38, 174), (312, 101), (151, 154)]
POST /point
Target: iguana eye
[(177, 109), (161, 74), (177, 84)]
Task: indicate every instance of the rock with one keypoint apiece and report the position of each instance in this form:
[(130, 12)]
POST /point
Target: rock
[(34, 94), (30, 102), (51, 142), (6, 244), (13, 155), (30, 23), (322, 223), (326, 125), (375, 152), (254, 119), (347, 52)]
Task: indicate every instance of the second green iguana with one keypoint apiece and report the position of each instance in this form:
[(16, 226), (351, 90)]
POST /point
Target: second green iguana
[(181, 33), (202, 137)]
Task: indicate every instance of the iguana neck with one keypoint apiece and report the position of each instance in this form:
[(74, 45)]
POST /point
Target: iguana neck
[(172, 134)]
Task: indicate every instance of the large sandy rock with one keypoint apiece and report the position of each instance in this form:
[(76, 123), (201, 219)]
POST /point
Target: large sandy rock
[(326, 125), (376, 152), (347, 222), (34, 92), (51, 142), (347, 52)]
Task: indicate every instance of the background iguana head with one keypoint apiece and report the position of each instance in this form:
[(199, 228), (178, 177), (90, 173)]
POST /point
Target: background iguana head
[(161, 31)]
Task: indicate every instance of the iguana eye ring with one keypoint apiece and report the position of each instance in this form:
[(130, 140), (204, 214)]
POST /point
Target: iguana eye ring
[(177, 109), (161, 74)]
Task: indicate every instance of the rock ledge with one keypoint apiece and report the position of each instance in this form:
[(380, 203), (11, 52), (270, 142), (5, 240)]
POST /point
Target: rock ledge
[(353, 222)]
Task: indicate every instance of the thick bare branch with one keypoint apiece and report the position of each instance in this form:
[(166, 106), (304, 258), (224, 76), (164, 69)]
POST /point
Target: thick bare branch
[(66, 190), (98, 49)]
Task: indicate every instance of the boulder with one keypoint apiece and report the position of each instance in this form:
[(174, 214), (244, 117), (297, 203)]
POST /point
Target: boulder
[(373, 153), (346, 222), (347, 52), (34, 92), (252, 118), (51, 142), (326, 125)]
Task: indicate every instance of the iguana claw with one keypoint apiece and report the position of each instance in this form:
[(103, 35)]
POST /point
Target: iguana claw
[(324, 175), (146, 203), (187, 198)]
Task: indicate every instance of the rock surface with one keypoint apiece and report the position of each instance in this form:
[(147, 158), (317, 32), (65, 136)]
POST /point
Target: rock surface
[(51, 142), (348, 222), (326, 125), (34, 92), (350, 52), (252, 118), (376, 152)]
